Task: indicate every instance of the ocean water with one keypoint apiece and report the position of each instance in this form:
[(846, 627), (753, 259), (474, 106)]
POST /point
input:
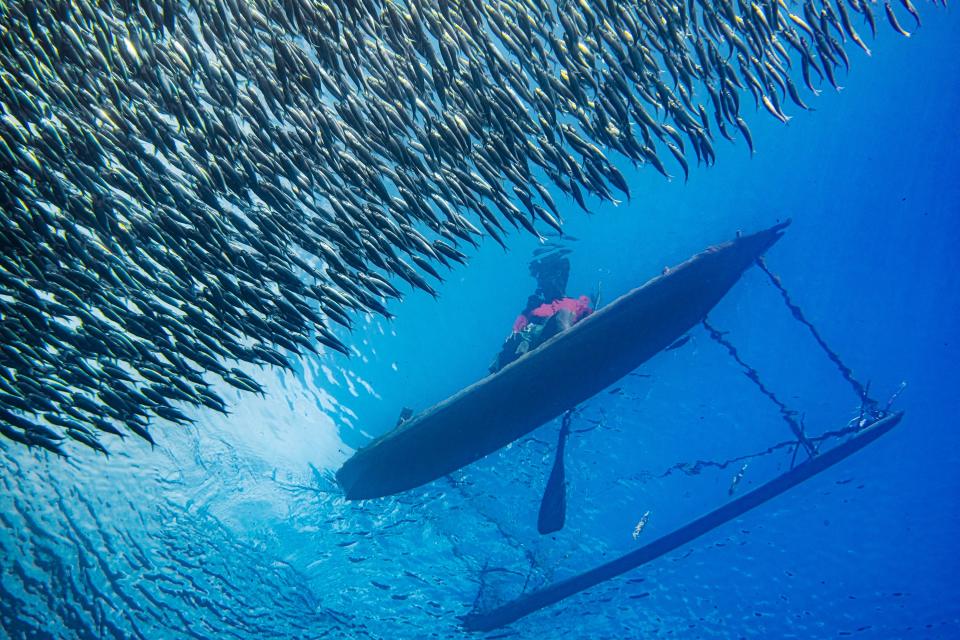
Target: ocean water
[(236, 528)]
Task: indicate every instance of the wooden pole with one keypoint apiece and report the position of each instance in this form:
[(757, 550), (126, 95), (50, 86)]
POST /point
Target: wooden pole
[(536, 600)]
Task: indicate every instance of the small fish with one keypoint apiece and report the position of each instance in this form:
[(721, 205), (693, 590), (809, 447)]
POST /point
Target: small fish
[(774, 110), (892, 19), (912, 10), (736, 479), (641, 524)]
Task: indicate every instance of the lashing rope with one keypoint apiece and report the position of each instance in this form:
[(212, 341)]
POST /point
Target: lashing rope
[(789, 415), (861, 390), (694, 468), (869, 409)]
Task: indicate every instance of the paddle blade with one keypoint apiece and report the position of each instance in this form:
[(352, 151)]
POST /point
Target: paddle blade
[(553, 506)]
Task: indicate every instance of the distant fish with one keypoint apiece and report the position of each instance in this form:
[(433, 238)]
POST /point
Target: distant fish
[(637, 530), (552, 250), (736, 479)]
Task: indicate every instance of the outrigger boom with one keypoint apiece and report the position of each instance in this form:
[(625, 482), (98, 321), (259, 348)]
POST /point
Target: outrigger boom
[(536, 600), (572, 367)]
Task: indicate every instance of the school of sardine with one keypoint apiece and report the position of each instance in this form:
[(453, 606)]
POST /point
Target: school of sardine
[(188, 185)]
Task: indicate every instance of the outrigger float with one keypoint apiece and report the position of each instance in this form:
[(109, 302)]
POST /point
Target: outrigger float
[(536, 600), (575, 365)]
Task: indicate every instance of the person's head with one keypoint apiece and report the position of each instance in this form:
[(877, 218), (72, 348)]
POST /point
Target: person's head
[(551, 272)]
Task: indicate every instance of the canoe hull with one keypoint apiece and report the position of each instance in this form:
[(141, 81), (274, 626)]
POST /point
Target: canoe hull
[(563, 372)]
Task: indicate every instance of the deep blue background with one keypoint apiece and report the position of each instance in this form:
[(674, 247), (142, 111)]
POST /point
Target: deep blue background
[(236, 528)]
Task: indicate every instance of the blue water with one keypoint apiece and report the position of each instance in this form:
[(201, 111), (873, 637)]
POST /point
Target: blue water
[(235, 528)]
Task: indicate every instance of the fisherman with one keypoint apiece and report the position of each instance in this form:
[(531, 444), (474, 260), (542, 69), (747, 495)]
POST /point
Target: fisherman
[(548, 311)]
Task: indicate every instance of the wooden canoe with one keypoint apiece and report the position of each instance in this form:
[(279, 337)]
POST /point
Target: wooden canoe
[(566, 370)]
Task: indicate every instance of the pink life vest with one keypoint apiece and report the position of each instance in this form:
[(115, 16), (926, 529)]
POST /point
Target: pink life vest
[(579, 307)]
